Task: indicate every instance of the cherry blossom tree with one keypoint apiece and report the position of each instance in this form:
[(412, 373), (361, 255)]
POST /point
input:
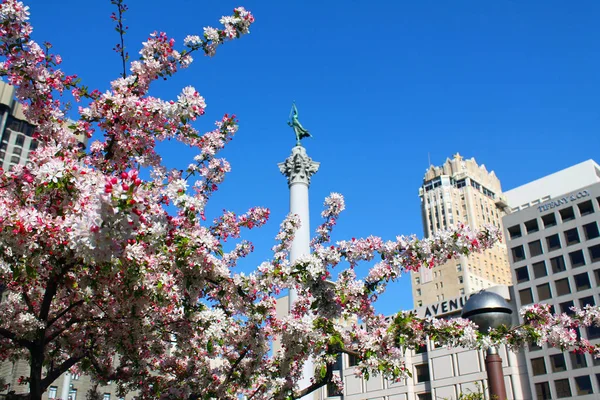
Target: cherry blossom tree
[(120, 276)]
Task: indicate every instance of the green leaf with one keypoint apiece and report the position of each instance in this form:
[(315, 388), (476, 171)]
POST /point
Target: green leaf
[(323, 372)]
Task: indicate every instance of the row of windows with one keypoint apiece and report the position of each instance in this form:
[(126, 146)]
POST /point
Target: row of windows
[(18, 125), (553, 242), (557, 264), (52, 393), (582, 385), (558, 363), (562, 288), (549, 220)]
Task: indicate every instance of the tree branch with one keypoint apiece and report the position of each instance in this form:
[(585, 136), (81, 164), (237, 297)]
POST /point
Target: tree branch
[(11, 336), (320, 383), (27, 301), (68, 324), (55, 373), (63, 312)]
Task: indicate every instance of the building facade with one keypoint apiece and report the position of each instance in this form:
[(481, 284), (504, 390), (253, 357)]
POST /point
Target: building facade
[(460, 191), (554, 249), (15, 132), (437, 372)]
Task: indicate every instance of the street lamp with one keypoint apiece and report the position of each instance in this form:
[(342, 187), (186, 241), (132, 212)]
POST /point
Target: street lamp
[(490, 310)]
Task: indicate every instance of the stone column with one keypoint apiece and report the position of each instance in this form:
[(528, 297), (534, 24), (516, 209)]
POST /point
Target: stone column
[(66, 386), (298, 169)]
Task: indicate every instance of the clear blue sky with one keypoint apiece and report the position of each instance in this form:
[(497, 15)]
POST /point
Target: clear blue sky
[(380, 84)]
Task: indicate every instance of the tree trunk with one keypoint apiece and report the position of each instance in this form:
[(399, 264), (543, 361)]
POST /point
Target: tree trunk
[(35, 374)]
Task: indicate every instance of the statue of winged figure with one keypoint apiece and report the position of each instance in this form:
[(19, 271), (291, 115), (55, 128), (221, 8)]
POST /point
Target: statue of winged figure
[(300, 131)]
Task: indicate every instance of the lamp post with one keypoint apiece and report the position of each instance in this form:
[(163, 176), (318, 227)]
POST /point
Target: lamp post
[(490, 310)]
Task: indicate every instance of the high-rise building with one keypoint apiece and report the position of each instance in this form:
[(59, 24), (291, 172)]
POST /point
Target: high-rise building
[(553, 239), (461, 191), (15, 132)]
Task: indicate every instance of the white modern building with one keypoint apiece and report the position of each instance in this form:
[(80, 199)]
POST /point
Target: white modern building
[(437, 372), (554, 249)]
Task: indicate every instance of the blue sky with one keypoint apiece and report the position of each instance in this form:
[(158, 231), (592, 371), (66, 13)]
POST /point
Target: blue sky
[(381, 85)]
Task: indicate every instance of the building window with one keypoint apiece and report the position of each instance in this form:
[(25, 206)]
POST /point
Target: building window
[(562, 287), (418, 292), (52, 392), (526, 296), (458, 267), (586, 208), (583, 385), (562, 388), (422, 372), (571, 236), (553, 242), (338, 365), (578, 360), (522, 274), (532, 226), (585, 301), (518, 253), (549, 220), (14, 159), (17, 151), (558, 264), (106, 396), (543, 291), (542, 391), (566, 307), (533, 346), (593, 332), (514, 231), (591, 230), (539, 269), (424, 396), (332, 391), (582, 282), (538, 366), (421, 349), (352, 360), (557, 362), (535, 248), (460, 279), (567, 214), (595, 253), (576, 258), (72, 394), (462, 291), (20, 140)]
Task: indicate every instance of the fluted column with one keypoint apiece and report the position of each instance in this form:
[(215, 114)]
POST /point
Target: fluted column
[(298, 169)]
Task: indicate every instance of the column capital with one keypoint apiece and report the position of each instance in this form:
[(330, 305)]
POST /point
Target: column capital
[(298, 167)]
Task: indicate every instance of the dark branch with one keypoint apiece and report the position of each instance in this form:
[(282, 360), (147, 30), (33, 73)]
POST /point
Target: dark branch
[(27, 301), (68, 324), (63, 312), (320, 383), (11, 336), (55, 373)]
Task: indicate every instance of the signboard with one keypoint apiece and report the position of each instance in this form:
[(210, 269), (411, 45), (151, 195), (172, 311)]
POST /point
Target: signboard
[(563, 200)]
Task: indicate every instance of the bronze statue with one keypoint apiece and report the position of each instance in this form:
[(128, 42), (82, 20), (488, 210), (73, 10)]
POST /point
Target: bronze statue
[(297, 126)]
